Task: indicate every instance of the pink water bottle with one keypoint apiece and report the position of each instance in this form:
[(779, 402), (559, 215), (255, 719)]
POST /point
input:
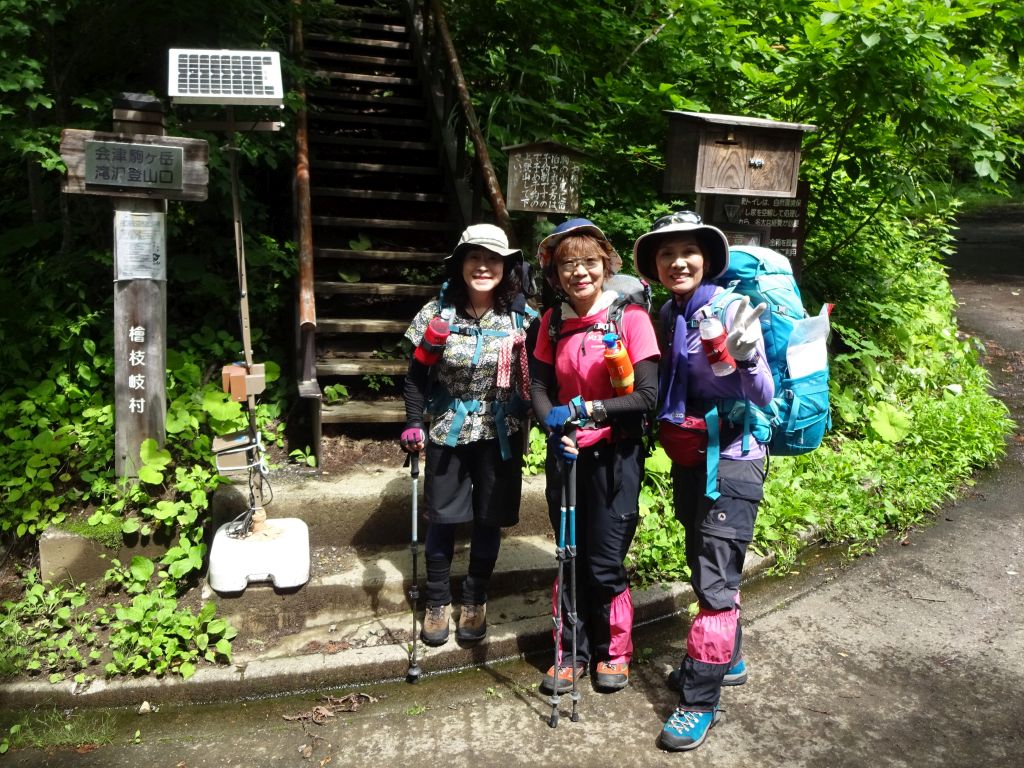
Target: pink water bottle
[(712, 339)]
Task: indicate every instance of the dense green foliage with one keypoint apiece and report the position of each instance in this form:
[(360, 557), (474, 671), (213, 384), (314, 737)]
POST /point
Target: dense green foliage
[(909, 99), (62, 65)]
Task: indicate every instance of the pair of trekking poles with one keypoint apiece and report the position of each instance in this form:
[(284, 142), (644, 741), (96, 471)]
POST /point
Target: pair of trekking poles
[(565, 552)]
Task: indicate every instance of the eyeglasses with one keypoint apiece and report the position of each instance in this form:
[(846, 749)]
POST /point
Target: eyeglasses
[(570, 266), (679, 217)]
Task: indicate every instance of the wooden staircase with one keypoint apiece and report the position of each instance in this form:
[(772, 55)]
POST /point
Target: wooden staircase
[(384, 185)]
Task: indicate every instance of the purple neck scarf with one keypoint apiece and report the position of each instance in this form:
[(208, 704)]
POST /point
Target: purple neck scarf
[(675, 365)]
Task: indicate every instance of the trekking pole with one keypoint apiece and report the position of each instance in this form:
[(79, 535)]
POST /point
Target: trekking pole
[(412, 460), (560, 558), (570, 492), (563, 553)]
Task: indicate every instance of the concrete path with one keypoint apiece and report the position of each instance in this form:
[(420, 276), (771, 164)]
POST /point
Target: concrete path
[(911, 657)]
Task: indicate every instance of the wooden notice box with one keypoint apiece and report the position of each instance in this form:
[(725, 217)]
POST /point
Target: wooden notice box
[(732, 155)]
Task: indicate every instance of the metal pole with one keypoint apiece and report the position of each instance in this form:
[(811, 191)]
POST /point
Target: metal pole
[(259, 514)]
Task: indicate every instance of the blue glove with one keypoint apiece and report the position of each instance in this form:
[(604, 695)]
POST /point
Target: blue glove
[(560, 448), (557, 417)]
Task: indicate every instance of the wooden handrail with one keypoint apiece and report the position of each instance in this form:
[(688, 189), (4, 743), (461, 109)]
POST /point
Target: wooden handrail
[(303, 204), (483, 156)]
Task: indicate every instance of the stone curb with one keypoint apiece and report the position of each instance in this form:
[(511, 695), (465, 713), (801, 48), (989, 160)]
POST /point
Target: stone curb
[(356, 666)]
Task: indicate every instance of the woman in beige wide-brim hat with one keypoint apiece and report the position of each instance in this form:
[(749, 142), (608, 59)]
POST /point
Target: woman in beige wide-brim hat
[(475, 385)]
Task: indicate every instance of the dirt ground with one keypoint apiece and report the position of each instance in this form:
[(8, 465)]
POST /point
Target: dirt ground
[(340, 452)]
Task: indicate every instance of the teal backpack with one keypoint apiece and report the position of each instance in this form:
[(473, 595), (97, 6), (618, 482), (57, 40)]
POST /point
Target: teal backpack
[(796, 420)]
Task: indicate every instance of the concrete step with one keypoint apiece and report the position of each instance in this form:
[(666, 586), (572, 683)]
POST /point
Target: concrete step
[(349, 585), (363, 509), (359, 651)]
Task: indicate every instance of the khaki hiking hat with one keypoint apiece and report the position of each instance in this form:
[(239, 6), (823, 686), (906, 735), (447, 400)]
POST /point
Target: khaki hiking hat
[(712, 241), (485, 236)]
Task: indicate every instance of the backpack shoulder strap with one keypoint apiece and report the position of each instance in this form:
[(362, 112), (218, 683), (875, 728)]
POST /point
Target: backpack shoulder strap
[(447, 309), (519, 315), (615, 312), (666, 316), (555, 325)]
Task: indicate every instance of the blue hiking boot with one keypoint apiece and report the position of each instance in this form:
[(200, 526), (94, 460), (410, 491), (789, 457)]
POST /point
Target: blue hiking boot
[(686, 729), (735, 675)]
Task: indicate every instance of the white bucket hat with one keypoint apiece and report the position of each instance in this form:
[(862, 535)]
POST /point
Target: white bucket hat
[(713, 243)]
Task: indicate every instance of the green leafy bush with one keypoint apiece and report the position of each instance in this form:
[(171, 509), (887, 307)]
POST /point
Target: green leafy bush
[(150, 635)]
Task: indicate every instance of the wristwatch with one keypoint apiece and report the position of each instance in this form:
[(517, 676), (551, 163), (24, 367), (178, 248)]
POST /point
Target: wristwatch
[(597, 412), (748, 364)]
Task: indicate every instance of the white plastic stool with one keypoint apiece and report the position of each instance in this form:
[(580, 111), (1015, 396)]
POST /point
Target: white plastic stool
[(278, 552)]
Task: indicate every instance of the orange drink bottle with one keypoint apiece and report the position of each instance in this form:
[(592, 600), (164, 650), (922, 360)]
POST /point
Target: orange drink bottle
[(616, 360)]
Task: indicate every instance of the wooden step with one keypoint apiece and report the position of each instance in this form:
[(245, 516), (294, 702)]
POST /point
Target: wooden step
[(357, 366), (365, 412), (349, 255), (360, 78), (350, 141), (336, 288), (363, 59), (374, 121), (343, 221), (361, 326), (360, 24), (394, 45), (378, 194), (343, 165), (369, 98), (344, 10)]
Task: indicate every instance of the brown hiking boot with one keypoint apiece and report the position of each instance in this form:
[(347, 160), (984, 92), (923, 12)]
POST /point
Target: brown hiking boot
[(436, 624), (472, 623)]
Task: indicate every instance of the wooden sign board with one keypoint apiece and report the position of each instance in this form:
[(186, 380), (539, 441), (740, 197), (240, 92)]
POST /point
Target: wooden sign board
[(113, 160), (543, 177), (732, 155)]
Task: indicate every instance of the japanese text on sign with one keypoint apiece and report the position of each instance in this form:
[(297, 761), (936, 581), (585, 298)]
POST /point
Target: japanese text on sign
[(543, 182), (120, 164), (775, 223), (137, 374)]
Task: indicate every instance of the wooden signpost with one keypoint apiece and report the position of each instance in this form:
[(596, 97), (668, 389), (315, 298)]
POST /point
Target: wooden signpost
[(140, 169), (543, 177)]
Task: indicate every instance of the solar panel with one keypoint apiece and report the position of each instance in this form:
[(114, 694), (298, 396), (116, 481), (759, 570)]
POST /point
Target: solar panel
[(197, 76)]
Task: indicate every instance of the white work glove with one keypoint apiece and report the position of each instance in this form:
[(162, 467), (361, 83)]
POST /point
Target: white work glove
[(745, 331)]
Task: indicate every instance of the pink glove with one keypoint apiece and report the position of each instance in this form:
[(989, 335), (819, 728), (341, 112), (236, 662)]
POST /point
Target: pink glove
[(412, 439)]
